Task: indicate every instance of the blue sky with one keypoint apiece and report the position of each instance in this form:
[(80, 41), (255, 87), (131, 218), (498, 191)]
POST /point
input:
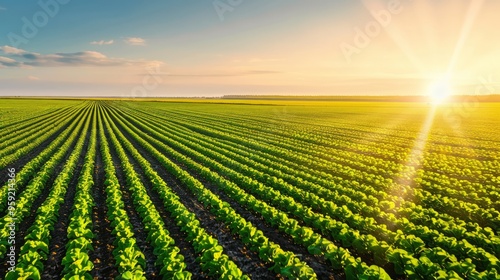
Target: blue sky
[(211, 48)]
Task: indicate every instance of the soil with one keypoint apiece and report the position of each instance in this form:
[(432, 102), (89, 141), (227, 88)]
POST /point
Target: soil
[(102, 255)]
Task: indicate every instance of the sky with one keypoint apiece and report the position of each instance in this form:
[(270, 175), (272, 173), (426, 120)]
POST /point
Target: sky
[(182, 48)]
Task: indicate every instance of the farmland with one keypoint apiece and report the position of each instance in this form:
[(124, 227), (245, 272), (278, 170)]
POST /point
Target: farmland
[(248, 189)]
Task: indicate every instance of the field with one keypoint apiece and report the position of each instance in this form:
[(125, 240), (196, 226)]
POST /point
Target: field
[(260, 189)]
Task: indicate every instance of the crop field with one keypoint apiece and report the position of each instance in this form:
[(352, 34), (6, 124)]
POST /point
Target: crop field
[(248, 189)]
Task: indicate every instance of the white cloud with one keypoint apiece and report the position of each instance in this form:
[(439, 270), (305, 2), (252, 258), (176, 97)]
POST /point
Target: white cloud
[(20, 58), (33, 78), (2, 8), (135, 41), (11, 50), (102, 42), (8, 62)]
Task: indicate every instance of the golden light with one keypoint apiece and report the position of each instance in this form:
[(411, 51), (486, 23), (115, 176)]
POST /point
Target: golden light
[(439, 91)]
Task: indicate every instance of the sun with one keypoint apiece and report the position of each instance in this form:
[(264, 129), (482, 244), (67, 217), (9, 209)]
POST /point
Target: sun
[(439, 91)]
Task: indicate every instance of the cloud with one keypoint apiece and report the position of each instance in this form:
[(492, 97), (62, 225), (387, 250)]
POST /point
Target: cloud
[(2, 8), (33, 78), (8, 62), (11, 50), (135, 41), (102, 42), (22, 58)]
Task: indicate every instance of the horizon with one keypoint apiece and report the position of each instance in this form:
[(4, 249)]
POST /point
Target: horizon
[(167, 49), (462, 99)]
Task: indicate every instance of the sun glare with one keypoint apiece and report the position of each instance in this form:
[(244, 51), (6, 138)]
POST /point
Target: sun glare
[(439, 91)]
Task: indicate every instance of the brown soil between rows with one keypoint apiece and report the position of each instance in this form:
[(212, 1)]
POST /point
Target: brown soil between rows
[(102, 255)]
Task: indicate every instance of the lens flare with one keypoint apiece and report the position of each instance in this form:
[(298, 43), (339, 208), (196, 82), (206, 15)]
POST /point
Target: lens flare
[(439, 92)]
